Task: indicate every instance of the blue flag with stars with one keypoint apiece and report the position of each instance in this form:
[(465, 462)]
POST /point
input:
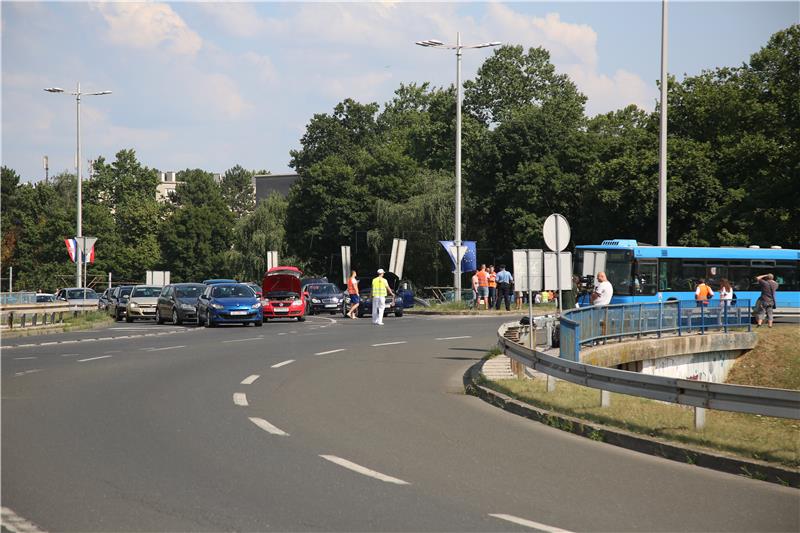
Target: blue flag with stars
[(469, 261)]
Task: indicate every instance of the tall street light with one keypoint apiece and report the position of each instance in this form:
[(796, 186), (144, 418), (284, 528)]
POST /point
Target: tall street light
[(433, 43), (77, 94), (662, 148)]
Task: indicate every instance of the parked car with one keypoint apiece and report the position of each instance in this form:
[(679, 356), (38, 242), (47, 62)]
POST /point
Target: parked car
[(225, 303), (256, 289), (118, 301), (77, 295), (283, 296), (218, 280), (307, 281), (142, 303), (102, 303), (394, 304), (322, 297), (178, 302), (43, 297)]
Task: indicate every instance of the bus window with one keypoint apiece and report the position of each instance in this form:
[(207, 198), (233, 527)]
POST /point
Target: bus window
[(619, 272), (646, 276)]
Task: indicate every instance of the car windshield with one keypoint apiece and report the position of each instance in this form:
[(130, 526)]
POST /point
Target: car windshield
[(125, 291), (77, 294), (325, 289), (193, 291), (146, 292), (233, 291), (44, 298)]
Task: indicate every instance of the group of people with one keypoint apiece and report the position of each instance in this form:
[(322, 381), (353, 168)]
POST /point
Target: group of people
[(380, 289), (490, 287), (764, 305)]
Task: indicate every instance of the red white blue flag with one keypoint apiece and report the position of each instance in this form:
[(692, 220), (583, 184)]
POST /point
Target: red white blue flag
[(72, 250)]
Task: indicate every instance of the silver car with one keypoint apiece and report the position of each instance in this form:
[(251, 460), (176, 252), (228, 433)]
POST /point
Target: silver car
[(142, 303)]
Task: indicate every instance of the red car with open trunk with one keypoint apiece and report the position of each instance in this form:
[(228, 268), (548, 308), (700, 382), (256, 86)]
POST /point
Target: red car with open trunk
[(283, 296)]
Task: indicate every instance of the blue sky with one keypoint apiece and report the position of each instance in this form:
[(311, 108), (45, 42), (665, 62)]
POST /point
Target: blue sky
[(211, 85)]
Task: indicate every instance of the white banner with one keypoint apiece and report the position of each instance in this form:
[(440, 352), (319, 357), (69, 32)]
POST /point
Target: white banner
[(550, 270), (593, 262), (398, 257), (345, 264), (524, 260)]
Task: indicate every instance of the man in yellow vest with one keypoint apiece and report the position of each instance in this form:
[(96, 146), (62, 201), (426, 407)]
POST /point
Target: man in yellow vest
[(379, 289)]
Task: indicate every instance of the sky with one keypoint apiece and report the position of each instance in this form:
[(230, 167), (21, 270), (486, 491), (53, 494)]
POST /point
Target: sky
[(211, 85)]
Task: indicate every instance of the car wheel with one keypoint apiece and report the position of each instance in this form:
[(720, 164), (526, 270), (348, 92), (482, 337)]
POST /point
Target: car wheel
[(128, 319), (159, 319), (119, 316), (200, 321), (360, 312), (259, 323), (398, 312), (209, 322), (301, 319), (175, 318)]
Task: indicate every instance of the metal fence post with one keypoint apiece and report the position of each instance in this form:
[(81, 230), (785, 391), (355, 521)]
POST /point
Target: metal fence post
[(639, 325), (660, 318), (680, 319), (702, 319), (605, 398), (699, 418), (725, 317), (576, 351)]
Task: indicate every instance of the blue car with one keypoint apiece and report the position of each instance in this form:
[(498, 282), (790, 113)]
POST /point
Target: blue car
[(229, 303)]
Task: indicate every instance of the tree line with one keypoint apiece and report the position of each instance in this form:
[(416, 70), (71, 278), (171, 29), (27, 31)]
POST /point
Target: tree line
[(370, 172)]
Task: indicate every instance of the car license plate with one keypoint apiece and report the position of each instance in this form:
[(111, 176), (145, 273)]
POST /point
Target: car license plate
[(330, 305), (238, 312), (281, 309)]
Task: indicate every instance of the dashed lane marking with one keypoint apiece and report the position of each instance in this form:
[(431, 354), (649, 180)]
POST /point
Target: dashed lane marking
[(94, 358), (454, 338), (47, 343), (23, 358), (92, 339), (240, 398), (284, 333), (269, 428), (261, 338), (363, 470), (287, 362), (72, 354), (388, 343), (16, 524), (249, 380), (529, 523), (163, 348), (26, 372), (330, 351)]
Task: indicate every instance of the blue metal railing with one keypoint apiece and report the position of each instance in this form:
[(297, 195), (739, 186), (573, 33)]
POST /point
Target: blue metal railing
[(675, 317)]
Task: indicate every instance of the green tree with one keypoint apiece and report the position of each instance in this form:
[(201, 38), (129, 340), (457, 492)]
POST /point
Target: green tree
[(238, 190), (257, 233)]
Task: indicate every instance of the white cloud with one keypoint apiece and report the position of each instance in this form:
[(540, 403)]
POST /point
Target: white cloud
[(219, 93), (238, 19), (262, 66), (361, 87), (149, 26)]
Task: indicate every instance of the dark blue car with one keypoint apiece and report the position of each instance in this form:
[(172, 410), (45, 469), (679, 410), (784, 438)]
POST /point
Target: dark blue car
[(229, 303)]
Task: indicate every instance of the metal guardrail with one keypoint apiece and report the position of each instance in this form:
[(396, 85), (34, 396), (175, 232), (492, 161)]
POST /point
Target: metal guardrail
[(13, 316), (675, 317), (724, 397)]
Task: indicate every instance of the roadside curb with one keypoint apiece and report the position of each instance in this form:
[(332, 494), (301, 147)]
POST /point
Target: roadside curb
[(750, 468)]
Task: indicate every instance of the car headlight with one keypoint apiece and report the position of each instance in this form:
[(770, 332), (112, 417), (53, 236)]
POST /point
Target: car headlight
[(315, 300), (133, 305), (188, 307), (255, 305), (297, 302), (217, 306)]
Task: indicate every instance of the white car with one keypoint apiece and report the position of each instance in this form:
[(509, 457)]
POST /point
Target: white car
[(142, 303)]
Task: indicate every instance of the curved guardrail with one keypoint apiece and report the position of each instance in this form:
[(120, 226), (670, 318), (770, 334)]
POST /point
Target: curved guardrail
[(674, 317), (724, 397), (14, 316)]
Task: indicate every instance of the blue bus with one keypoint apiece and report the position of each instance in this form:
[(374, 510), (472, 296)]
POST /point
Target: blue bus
[(645, 273)]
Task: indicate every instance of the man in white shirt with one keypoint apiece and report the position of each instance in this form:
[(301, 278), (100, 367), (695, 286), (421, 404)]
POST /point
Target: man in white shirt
[(603, 291)]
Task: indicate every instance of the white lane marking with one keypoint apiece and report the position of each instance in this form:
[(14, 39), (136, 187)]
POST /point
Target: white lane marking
[(94, 358), (454, 338), (266, 426), (47, 343), (22, 346), (363, 470), (164, 348), (293, 332), (388, 343), (330, 351), (529, 523), (284, 333), (105, 338), (16, 524), (250, 379), (32, 371), (69, 342), (240, 398), (69, 354), (23, 358), (287, 362), (248, 339), (333, 320)]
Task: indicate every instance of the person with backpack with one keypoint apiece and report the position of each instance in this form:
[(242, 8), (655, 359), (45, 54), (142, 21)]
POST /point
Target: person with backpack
[(766, 302)]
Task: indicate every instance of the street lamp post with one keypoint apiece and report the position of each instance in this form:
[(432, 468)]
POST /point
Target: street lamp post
[(77, 94), (433, 43)]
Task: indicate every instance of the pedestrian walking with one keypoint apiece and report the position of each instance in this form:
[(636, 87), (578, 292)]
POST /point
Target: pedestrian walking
[(352, 291), (483, 286), (474, 302), (703, 293), (765, 304), (492, 286), (379, 289), (504, 281)]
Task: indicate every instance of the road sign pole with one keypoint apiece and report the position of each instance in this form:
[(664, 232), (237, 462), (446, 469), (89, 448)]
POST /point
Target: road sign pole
[(530, 298)]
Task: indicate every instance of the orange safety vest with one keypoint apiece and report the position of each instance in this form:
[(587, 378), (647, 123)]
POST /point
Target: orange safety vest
[(705, 291), (493, 280), (482, 279), (351, 287)]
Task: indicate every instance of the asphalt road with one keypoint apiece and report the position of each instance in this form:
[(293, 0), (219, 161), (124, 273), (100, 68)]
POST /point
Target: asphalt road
[(327, 425)]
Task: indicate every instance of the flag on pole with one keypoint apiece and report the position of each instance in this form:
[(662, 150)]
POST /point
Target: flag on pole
[(72, 251)]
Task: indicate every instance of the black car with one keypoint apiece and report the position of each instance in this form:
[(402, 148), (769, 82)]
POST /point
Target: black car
[(177, 303), (118, 301), (322, 297), (105, 299), (394, 304)]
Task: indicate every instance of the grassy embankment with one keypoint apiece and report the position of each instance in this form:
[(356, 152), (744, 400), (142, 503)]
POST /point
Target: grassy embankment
[(89, 320), (775, 362)]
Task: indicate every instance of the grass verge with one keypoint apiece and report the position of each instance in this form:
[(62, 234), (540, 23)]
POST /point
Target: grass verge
[(86, 321), (774, 362)]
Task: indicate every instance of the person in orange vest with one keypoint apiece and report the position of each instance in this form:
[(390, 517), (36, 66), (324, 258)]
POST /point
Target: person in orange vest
[(703, 293), (483, 286), (352, 291), (492, 286)]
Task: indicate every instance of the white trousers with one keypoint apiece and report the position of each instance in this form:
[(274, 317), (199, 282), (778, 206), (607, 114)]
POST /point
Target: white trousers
[(378, 305)]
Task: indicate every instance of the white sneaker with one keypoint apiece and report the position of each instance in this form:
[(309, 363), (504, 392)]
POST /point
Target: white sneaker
[(380, 323)]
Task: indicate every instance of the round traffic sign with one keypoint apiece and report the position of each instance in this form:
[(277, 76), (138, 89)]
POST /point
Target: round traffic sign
[(556, 232)]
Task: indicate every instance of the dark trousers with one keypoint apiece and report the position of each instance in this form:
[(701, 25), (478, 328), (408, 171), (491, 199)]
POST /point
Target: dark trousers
[(504, 292), (492, 296)]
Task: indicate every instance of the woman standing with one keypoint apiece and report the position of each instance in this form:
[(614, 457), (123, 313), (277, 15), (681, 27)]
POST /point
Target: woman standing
[(725, 291), (352, 291)]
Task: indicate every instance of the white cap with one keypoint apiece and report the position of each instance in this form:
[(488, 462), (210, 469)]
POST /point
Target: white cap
[(381, 271)]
